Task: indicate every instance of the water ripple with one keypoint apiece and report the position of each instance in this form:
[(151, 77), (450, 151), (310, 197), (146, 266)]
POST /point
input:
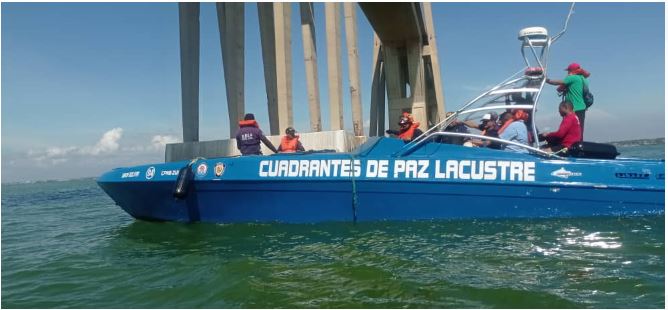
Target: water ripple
[(68, 246)]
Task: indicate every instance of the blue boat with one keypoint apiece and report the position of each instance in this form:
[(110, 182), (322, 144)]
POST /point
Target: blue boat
[(387, 179)]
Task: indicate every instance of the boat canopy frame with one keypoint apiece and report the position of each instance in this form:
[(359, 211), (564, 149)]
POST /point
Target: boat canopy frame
[(530, 81)]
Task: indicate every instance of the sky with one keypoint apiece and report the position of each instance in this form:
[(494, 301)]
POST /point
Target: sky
[(87, 87)]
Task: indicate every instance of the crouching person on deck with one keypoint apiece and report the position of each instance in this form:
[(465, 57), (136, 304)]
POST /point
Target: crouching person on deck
[(249, 137), (569, 131), (408, 130), (290, 142)]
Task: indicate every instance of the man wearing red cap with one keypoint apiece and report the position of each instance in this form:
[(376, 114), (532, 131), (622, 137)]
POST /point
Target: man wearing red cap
[(575, 82)]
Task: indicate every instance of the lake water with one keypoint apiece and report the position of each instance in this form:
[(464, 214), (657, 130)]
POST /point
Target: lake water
[(66, 245)]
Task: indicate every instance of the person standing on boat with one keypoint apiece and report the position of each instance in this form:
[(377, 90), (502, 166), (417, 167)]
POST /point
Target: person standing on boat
[(290, 142), (515, 130), (249, 137), (408, 130), (575, 82), (568, 133)]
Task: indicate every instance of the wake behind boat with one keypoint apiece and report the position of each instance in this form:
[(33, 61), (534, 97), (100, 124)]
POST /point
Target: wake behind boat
[(386, 179)]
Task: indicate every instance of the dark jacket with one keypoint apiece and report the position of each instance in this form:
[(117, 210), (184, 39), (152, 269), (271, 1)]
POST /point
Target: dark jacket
[(460, 128), (249, 137)]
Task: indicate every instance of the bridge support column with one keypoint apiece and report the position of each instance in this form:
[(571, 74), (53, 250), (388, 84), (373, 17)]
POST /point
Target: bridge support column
[(435, 99), (377, 107), (416, 81), (333, 35), (231, 29), (353, 67), (276, 54), (189, 41), (311, 65), (409, 59)]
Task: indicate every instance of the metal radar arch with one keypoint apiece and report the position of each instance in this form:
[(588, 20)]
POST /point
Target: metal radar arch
[(519, 91)]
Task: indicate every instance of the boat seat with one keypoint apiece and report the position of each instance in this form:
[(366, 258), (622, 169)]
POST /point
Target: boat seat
[(593, 150)]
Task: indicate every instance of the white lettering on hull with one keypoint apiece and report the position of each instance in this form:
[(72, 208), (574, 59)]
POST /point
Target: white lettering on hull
[(475, 170)]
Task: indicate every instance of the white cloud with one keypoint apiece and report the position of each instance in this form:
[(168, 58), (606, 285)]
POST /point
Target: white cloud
[(159, 142), (109, 144)]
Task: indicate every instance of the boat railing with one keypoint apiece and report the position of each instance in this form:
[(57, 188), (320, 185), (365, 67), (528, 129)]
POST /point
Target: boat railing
[(508, 81), (531, 149), (497, 107), (532, 38)]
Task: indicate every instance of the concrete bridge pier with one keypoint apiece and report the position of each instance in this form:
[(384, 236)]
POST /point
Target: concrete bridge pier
[(434, 85), (231, 29), (408, 62), (276, 55), (377, 106), (189, 47), (311, 65), (335, 85), (353, 67)]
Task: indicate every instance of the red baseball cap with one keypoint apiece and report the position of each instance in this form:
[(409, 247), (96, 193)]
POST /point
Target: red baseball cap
[(572, 67)]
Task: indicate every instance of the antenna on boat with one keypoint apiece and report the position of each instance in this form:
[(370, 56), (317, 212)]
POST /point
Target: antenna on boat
[(568, 18)]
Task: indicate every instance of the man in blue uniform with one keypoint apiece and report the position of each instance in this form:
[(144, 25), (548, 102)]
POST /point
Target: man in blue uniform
[(249, 137)]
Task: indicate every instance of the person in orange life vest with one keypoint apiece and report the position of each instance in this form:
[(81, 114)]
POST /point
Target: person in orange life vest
[(568, 133), (249, 137), (290, 142), (408, 130)]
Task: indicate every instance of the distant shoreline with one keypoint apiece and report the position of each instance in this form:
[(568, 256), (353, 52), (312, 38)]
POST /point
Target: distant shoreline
[(652, 141)]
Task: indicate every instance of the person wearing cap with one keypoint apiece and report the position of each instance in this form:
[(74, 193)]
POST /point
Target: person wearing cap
[(575, 82), (249, 137), (290, 142), (481, 126), (408, 129), (489, 127)]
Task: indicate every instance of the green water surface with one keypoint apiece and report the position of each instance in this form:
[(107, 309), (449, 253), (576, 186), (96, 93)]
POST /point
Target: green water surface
[(65, 244)]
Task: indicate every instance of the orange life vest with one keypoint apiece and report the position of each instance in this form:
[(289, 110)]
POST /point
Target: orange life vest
[(518, 115), (251, 122), (289, 144), (408, 134)]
